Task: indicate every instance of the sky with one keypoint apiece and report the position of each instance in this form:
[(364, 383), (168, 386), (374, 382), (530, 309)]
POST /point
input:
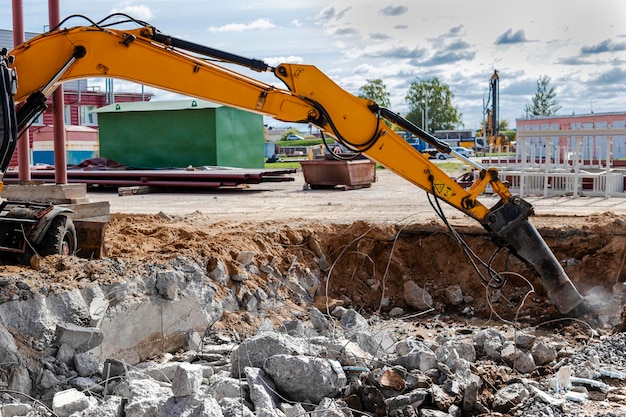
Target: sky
[(580, 45)]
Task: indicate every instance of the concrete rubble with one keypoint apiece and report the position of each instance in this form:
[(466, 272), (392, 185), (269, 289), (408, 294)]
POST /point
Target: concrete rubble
[(146, 347)]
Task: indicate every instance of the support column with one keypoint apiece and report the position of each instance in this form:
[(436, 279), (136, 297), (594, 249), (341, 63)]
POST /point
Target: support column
[(60, 162), (23, 145)]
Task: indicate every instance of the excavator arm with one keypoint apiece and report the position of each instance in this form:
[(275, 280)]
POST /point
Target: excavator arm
[(146, 56)]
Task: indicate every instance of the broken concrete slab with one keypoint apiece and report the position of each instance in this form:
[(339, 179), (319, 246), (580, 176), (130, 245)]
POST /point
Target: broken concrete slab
[(70, 401), (147, 326), (81, 339), (256, 350)]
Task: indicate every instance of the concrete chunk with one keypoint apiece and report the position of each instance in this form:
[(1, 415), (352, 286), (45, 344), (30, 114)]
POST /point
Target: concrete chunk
[(304, 378), (543, 352), (15, 410), (509, 396), (167, 283), (80, 338), (68, 402), (254, 351), (417, 297), (520, 359), (262, 389), (85, 364), (187, 380), (354, 321)]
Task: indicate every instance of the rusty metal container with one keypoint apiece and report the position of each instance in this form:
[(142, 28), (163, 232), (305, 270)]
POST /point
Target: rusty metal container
[(324, 173)]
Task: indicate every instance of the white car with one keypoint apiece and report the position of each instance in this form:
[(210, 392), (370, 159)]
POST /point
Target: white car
[(293, 136), (466, 152)]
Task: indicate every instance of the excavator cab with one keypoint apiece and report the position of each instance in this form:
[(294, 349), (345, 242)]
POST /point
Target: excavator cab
[(26, 228)]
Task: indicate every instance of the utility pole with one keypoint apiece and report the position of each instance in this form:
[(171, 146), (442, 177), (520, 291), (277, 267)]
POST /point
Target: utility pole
[(23, 146)]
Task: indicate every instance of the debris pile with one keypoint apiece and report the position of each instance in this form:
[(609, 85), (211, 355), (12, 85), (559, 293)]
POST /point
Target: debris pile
[(332, 365), (250, 327)]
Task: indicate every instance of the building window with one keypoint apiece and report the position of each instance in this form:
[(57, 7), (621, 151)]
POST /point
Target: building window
[(67, 114), (38, 121), (87, 117)]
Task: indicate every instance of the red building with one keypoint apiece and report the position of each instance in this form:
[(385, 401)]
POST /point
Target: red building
[(549, 136), (79, 102)]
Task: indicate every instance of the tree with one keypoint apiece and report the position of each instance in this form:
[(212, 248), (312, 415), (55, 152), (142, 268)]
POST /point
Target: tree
[(544, 103), (503, 126), (375, 90), (430, 106)]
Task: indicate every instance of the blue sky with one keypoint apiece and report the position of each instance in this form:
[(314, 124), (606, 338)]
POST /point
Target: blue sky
[(581, 45)]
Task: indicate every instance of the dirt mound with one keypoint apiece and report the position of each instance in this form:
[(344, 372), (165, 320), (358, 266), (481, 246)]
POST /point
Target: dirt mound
[(361, 265), (368, 264)]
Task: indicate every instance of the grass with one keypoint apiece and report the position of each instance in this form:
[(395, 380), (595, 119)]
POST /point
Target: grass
[(450, 168), (282, 165)]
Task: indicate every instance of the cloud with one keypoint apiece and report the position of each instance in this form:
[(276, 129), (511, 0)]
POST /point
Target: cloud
[(458, 45), (327, 14), (259, 24), (606, 45), (342, 13), (455, 30), (398, 52), (393, 10), (610, 78), (346, 32), (447, 57), (509, 37), (277, 60), (379, 36), (573, 60), (140, 12)]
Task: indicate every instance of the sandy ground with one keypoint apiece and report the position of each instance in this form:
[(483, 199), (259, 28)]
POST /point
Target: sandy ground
[(390, 199)]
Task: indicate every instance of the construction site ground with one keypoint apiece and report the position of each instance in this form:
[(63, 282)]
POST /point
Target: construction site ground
[(587, 235), (374, 239)]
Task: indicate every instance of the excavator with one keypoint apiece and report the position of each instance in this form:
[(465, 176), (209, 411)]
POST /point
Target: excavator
[(145, 55)]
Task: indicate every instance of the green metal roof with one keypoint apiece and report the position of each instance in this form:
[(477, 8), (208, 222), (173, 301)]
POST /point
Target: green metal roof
[(190, 104)]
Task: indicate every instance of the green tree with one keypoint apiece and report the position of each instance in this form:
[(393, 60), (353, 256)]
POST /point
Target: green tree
[(375, 90), (503, 126), (430, 106), (544, 103)]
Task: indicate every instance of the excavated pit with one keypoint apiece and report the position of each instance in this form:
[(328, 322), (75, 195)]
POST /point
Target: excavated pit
[(360, 265), (257, 271)]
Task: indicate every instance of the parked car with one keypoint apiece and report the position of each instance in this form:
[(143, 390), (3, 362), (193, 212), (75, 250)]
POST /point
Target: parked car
[(441, 155), (293, 136), (466, 152)]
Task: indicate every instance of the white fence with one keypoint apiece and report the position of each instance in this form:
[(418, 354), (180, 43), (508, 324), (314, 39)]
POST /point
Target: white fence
[(542, 166)]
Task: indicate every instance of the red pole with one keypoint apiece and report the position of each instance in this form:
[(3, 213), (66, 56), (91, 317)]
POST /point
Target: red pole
[(23, 145), (60, 168)]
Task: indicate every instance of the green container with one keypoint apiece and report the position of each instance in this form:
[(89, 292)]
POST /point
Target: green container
[(177, 134)]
